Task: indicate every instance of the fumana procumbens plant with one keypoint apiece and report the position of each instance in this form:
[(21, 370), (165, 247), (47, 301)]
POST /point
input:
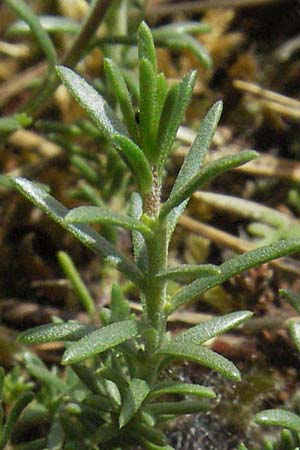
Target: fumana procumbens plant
[(126, 397)]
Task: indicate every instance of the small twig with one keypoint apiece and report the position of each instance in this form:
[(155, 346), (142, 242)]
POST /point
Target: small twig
[(196, 7)]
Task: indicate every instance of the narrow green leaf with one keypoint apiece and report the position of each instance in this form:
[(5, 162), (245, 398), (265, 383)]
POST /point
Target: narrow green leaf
[(53, 332), (188, 271), (172, 114), (294, 329), (15, 122), (139, 244), (201, 355), (92, 102), (136, 161), (150, 446), (137, 392), (96, 214), (279, 418), (100, 341), (211, 328), (210, 171), (122, 95), (56, 436), (13, 416), (79, 287), (292, 298), (195, 158), (178, 408), (185, 42), (57, 212), (184, 389), (148, 109), (119, 306), (233, 267), (146, 48), (23, 10), (46, 377), (50, 24)]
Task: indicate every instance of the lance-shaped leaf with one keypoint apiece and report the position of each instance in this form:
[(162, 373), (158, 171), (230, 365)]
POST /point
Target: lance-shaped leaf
[(172, 114), (50, 24), (139, 244), (92, 102), (137, 392), (195, 158), (292, 298), (201, 355), (184, 389), (188, 271), (23, 10), (146, 48), (233, 267), (136, 160), (99, 341), (294, 329), (13, 416), (148, 119), (57, 212), (96, 214), (210, 171), (185, 42), (119, 306), (207, 330), (53, 332), (280, 418), (122, 95), (151, 446)]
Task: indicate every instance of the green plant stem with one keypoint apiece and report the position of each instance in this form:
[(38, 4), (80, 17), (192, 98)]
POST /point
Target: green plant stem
[(38, 101)]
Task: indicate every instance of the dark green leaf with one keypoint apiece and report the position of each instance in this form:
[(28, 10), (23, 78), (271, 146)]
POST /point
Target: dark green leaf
[(13, 416), (121, 93), (119, 306), (280, 418), (146, 48), (136, 161), (292, 298), (139, 245), (184, 389), (201, 355), (100, 341), (50, 24), (195, 158), (83, 233), (24, 11), (233, 267), (91, 101), (172, 114), (207, 330), (15, 122), (137, 392), (54, 332), (210, 171), (96, 214), (148, 109)]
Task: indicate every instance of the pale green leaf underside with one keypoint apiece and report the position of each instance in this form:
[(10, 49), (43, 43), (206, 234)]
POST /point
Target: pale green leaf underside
[(57, 212), (54, 332), (137, 392), (233, 267), (100, 341), (184, 389), (207, 330), (187, 271), (201, 355), (95, 214), (294, 329), (280, 418), (101, 114)]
